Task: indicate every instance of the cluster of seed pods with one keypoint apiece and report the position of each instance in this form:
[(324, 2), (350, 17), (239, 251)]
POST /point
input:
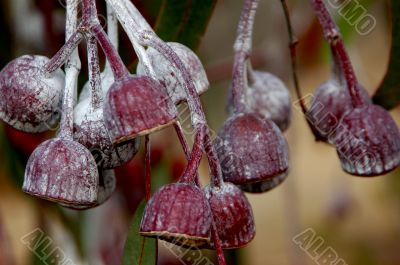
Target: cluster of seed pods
[(102, 130), (366, 137)]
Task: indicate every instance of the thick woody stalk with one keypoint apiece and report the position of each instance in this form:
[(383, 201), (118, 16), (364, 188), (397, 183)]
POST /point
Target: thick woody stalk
[(332, 35)]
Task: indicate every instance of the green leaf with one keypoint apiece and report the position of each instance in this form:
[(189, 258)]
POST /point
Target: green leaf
[(139, 250), (388, 93), (184, 21)]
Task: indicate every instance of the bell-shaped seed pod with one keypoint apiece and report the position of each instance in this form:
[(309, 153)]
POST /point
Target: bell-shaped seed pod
[(232, 215), (269, 96), (30, 97), (63, 171), (252, 151), (90, 130), (169, 76), (368, 141), (137, 105), (107, 184), (178, 213), (331, 101)]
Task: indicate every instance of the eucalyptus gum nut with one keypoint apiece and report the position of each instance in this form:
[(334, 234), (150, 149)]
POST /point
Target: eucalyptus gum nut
[(232, 214), (90, 130), (368, 141), (107, 184), (269, 96), (331, 101), (252, 151), (135, 106), (106, 81), (169, 76), (63, 171), (30, 98), (178, 213)]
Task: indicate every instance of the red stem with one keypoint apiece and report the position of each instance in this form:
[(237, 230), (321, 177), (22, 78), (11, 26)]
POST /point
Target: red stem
[(62, 55), (242, 49), (147, 160), (96, 96), (198, 118), (190, 173), (293, 58), (332, 35), (217, 244), (185, 146), (117, 65), (91, 21)]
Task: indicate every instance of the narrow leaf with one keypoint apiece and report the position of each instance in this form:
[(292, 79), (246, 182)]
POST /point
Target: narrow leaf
[(184, 21), (388, 93), (139, 250)]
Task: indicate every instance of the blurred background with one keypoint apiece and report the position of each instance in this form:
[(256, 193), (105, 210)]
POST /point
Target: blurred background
[(359, 218)]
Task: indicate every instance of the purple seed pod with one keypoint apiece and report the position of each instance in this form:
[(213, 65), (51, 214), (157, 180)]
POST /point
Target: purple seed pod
[(232, 214), (169, 76), (253, 152), (269, 96), (63, 171), (107, 184), (90, 130), (30, 97), (368, 141), (331, 101), (178, 213), (137, 105)]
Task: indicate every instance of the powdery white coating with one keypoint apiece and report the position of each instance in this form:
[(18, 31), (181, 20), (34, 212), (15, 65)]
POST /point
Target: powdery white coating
[(252, 150), (169, 76), (232, 214), (90, 130), (368, 143), (106, 81), (331, 102), (269, 96), (137, 105), (107, 184), (30, 97), (63, 171), (178, 213)]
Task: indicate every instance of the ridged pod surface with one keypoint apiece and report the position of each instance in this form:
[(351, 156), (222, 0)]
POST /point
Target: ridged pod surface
[(137, 105), (30, 98), (169, 76), (107, 184), (368, 141), (232, 214), (252, 151), (178, 213), (63, 171)]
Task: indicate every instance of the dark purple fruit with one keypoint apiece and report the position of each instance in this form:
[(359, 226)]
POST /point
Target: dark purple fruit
[(169, 76), (252, 151), (269, 96), (232, 214), (137, 105), (63, 171), (331, 101), (90, 131), (30, 98), (368, 141), (178, 213)]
